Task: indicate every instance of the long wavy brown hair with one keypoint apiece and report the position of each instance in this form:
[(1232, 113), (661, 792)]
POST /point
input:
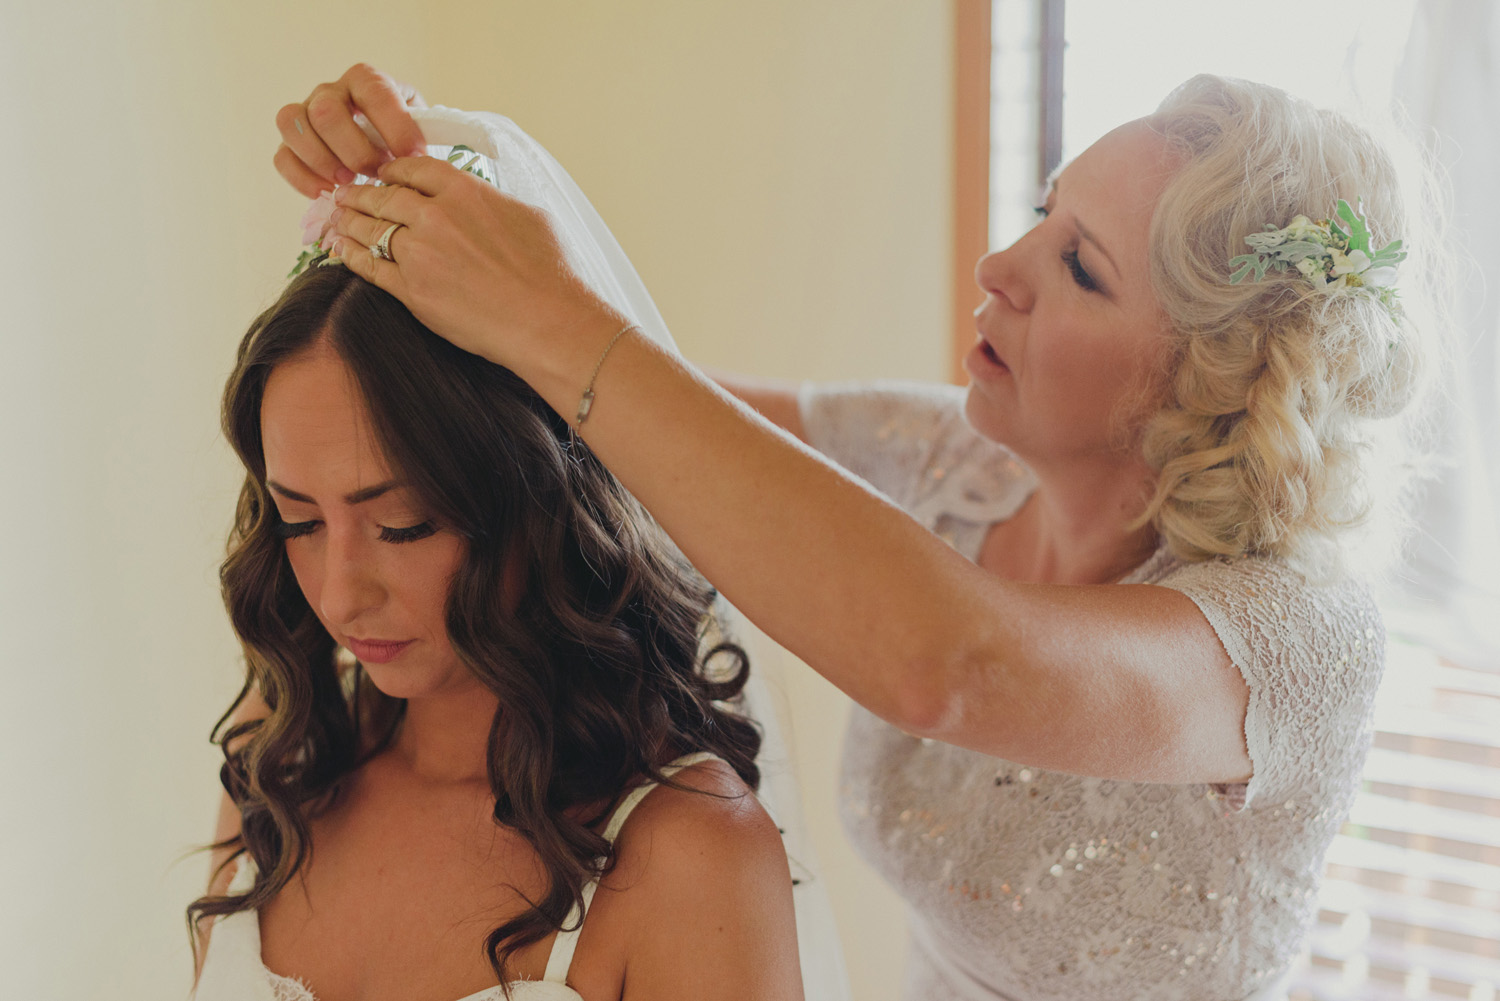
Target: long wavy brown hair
[(602, 668)]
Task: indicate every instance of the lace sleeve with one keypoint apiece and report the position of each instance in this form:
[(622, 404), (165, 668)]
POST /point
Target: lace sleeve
[(882, 432), (1312, 656)]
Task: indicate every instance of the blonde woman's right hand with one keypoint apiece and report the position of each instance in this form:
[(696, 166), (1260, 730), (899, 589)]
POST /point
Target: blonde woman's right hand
[(322, 144)]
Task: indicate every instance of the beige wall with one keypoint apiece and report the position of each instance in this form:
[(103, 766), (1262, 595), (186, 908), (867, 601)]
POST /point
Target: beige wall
[(778, 171)]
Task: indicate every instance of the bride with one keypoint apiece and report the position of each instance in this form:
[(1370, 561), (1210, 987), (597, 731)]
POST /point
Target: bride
[(482, 749)]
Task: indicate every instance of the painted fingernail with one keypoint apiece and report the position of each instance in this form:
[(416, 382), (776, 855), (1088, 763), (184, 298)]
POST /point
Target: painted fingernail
[(334, 217), (344, 175), (338, 248), (339, 194), (298, 122)]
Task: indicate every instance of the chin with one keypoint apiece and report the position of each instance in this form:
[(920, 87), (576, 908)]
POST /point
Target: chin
[(395, 683), (410, 681), (981, 415)]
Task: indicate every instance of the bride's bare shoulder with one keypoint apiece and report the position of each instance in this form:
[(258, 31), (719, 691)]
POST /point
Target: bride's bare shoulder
[(714, 811), (702, 892)]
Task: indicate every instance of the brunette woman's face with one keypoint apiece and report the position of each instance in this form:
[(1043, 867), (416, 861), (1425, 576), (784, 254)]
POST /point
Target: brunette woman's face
[(372, 563), (1070, 333)]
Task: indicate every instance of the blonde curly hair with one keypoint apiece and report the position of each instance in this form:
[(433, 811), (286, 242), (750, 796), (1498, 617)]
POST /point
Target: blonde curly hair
[(1277, 395)]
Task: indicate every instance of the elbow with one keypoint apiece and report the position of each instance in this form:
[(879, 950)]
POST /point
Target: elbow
[(1005, 707), (927, 699)]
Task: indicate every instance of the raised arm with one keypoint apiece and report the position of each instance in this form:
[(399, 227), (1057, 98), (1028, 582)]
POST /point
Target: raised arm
[(1129, 682), (773, 399)]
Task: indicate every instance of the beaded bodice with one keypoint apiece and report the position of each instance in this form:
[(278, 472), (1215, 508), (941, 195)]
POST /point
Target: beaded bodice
[(1027, 884)]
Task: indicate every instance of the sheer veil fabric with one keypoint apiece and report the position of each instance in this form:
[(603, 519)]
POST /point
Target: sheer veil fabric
[(524, 170)]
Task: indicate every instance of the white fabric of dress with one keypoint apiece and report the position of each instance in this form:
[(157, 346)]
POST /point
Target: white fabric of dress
[(1029, 885), (234, 971)]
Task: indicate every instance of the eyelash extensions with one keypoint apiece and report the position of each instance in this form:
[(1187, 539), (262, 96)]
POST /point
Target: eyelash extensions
[(412, 534), (1082, 277), (297, 529)]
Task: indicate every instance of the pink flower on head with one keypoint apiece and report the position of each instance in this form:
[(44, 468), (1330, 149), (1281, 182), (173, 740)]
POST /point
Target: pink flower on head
[(315, 220)]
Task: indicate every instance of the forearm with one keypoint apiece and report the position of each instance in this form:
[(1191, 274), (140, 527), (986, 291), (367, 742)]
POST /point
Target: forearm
[(1124, 682), (773, 399)]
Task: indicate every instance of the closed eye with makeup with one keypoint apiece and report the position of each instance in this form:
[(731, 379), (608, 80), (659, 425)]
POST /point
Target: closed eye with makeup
[(394, 523), (1076, 267)]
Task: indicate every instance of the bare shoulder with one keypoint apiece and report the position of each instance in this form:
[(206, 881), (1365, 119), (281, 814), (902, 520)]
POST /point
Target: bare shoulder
[(705, 902), (714, 816)]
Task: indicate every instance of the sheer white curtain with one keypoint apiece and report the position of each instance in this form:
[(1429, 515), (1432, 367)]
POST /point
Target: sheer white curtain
[(1449, 84)]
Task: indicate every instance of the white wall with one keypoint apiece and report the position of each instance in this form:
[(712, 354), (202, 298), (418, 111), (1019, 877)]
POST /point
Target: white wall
[(778, 171)]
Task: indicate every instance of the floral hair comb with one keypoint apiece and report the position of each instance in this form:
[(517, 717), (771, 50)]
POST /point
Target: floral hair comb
[(1333, 254)]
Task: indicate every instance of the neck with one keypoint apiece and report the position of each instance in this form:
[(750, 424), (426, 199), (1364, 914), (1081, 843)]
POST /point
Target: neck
[(1075, 528), (444, 737)]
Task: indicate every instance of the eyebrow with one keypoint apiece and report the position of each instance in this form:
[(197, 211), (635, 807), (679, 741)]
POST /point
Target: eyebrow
[(1083, 231), (357, 497)]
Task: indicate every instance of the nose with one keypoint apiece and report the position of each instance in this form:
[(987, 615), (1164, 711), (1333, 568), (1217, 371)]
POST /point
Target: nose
[(1002, 273), (352, 585)]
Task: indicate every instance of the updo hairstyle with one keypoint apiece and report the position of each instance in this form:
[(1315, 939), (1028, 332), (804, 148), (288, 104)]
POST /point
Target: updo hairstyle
[(1277, 392)]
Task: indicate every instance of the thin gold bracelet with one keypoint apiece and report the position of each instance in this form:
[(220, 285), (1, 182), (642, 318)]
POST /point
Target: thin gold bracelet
[(586, 401)]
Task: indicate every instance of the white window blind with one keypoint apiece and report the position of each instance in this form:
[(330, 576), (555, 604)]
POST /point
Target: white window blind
[(1411, 904)]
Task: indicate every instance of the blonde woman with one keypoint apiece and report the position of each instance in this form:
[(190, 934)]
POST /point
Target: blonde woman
[(1115, 672)]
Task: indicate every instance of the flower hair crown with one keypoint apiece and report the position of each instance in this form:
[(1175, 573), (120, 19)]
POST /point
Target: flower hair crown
[(315, 227), (1334, 258)]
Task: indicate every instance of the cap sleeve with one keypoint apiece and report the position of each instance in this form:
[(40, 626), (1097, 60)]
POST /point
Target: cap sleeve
[(1312, 656)]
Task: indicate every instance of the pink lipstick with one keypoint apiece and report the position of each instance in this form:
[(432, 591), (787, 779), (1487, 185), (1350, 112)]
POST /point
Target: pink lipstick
[(377, 651)]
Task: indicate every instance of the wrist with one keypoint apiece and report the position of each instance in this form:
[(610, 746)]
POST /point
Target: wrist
[(562, 361), (586, 399)]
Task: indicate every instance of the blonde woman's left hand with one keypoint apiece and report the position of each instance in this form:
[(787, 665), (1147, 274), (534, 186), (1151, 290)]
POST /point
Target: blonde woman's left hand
[(475, 266)]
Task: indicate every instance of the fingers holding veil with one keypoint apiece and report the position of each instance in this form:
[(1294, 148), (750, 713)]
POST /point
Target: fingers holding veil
[(478, 266), (383, 203), (496, 249), (373, 225), (323, 141)]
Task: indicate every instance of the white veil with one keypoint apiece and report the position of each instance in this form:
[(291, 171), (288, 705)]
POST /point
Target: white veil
[(521, 168)]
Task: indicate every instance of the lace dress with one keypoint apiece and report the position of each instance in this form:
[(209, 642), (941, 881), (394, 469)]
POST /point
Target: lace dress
[(1030, 885), (234, 971)]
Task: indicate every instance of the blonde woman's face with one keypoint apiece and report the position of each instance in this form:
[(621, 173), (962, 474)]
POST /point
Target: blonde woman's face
[(372, 563), (1070, 333)]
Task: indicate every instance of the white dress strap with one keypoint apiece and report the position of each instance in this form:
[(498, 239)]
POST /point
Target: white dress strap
[(566, 942)]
